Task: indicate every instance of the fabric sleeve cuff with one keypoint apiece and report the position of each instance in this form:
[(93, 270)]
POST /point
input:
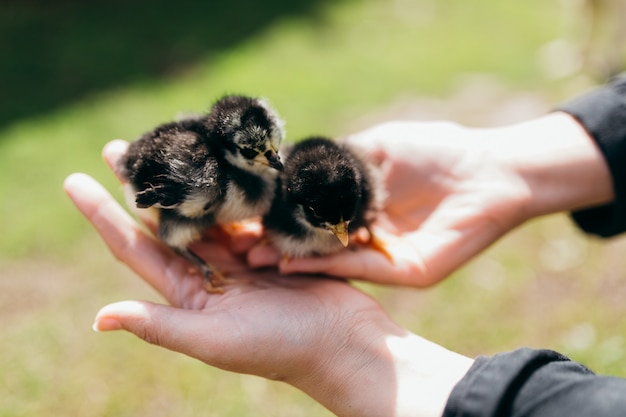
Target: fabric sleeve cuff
[(602, 113), (492, 383)]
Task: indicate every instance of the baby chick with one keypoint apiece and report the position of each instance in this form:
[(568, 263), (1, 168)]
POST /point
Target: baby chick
[(325, 192), (213, 169)]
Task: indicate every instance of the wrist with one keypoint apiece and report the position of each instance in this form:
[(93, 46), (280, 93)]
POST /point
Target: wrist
[(382, 370), (560, 164)]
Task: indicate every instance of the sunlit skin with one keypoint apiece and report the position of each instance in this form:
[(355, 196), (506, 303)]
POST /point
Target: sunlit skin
[(246, 330), (337, 344), (452, 191)]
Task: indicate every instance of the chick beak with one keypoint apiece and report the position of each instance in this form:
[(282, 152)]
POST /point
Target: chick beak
[(340, 230), (274, 160)]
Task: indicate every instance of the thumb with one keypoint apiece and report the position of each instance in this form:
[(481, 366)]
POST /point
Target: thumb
[(158, 324)]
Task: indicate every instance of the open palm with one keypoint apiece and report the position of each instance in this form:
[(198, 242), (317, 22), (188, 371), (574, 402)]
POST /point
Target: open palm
[(447, 200), (263, 324)]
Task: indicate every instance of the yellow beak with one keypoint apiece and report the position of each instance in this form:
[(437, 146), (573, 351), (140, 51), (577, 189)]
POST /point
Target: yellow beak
[(340, 230)]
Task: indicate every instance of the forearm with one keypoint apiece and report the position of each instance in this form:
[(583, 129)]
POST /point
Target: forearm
[(385, 371), (560, 164)]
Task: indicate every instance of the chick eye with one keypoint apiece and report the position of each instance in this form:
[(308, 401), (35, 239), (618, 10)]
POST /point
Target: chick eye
[(248, 153)]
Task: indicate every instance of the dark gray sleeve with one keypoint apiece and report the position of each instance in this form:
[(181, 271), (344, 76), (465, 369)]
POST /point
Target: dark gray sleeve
[(535, 383), (602, 113)]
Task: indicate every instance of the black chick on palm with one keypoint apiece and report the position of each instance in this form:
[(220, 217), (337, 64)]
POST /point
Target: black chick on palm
[(212, 169), (326, 191)]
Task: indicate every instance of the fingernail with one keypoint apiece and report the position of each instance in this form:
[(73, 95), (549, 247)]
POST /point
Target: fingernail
[(105, 324)]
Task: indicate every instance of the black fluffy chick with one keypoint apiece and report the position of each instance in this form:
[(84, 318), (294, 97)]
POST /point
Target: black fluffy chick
[(213, 169), (326, 191)]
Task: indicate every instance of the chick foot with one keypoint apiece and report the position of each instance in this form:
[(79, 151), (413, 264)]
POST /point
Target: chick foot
[(378, 244), (213, 279)]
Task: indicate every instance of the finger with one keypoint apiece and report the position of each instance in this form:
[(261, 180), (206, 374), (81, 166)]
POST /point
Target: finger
[(263, 255), (444, 250), (245, 238), (186, 331), (363, 264), (399, 264), (112, 152), (122, 234)]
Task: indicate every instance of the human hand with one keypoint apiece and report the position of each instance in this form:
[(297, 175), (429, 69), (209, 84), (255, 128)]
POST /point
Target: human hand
[(453, 191), (320, 335), (248, 319), (445, 203)]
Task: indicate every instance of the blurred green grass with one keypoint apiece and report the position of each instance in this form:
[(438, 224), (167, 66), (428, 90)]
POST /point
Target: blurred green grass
[(318, 71), (324, 66)]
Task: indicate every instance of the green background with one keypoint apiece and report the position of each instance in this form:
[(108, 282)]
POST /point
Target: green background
[(74, 75)]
